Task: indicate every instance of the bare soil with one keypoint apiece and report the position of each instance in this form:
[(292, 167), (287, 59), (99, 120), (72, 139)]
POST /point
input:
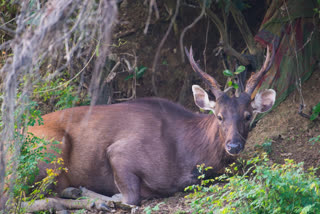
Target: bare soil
[(288, 132)]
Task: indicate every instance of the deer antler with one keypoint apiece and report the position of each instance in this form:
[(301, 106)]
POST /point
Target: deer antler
[(255, 78), (209, 80)]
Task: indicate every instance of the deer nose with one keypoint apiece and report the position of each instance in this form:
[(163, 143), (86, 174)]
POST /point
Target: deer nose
[(234, 148)]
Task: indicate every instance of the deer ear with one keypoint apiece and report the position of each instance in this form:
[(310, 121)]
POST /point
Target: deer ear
[(264, 101), (201, 98)]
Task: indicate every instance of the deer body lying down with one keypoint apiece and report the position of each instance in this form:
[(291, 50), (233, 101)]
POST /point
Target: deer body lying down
[(145, 148), (151, 147)]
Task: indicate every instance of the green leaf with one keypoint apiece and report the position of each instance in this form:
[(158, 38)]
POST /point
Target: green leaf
[(230, 83), (315, 111), (138, 72), (164, 62), (129, 77), (307, 209), (227, 73), (141, 71), (208, 3), (97, 50), (235, 85), (240, 69)]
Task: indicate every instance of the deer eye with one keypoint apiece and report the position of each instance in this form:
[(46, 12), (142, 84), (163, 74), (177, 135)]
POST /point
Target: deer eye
[(247, 116), (219, 116)]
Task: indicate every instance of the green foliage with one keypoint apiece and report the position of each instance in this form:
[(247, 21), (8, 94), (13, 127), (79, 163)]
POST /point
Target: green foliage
[(271, 189), (149, 210), (315, 112), (32, 151), (138, 72), (239, 4), (232, 75), (8, 9), (315, 140), (22, 169), (207, 3), (164, 62), (227, 73), (266, 146), (120, 43), (240, 69), (317, 9), (82, 211), (33, 116), (59, 91)]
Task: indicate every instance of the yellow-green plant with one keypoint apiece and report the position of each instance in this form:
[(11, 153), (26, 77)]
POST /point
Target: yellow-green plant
[(276, 188), (22, 167)]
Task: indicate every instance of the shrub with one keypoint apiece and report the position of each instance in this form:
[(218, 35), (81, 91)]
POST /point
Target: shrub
[(25, 154), (57, 91), (315, 112), (273, 188)]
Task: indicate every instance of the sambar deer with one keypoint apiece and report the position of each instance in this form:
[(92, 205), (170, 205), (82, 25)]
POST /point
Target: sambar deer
[(151, 147)]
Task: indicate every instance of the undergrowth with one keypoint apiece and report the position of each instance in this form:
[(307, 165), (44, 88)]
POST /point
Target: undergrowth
[(28, 150), (23, 165), (263, 188)]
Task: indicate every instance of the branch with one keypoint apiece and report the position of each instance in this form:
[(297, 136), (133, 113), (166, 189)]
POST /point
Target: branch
[(7, 31), (156, 58), (115, 199), (186, 29), (152, 4), (244, 29), (214, 18), (93, 201), (224, 38), (232, 52), (58, 204)]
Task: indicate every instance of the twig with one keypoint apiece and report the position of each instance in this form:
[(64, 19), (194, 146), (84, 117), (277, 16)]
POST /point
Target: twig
[(205, 48), (134, 82), (5, 45), (244, 29), (112, 74), (156, 58), (187, 28), (8, 31), (92, 201), (224, 38), (298, 78), (300, 112), (67, 82), (152, 4), (58, 204)]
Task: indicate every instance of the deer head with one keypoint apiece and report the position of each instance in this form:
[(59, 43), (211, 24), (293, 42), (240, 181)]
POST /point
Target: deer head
[(233, 114)]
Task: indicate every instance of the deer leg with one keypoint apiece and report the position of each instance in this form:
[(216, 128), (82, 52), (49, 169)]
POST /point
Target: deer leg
[(126, 181), (124, 173), (128, 184)]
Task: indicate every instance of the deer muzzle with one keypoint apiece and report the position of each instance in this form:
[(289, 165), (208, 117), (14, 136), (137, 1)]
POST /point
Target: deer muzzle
[(234, 147)]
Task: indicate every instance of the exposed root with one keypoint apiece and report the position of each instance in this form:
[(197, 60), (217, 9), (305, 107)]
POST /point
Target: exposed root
[(89, 201)]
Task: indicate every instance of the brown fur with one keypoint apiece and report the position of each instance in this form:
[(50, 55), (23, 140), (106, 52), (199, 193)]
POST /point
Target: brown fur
[(144, 148)]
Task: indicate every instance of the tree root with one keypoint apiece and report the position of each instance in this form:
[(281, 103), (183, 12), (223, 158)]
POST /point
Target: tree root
[(89, 200)]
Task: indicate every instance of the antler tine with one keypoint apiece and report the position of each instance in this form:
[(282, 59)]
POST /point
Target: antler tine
[(255, 78), (209, 80)]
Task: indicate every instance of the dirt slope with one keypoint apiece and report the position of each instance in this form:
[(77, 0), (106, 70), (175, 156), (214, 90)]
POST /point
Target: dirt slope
[(288, 132)]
